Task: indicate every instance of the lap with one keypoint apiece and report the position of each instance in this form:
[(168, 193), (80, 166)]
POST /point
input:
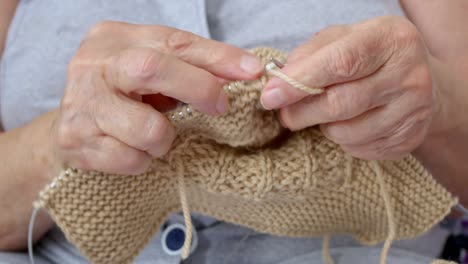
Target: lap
[(219, 242), (18, 258)]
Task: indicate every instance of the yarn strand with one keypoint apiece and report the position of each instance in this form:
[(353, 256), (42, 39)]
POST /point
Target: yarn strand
[(327, 258), (32, 220), (243, 167), (274, 70), (390, 215), (186, 214)]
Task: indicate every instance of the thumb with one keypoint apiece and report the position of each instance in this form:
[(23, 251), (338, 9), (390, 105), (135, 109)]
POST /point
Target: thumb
[(350, 57), (322, 38)]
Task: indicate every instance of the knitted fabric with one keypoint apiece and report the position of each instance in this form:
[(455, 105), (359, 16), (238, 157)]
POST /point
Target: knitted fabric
[(243, 168)]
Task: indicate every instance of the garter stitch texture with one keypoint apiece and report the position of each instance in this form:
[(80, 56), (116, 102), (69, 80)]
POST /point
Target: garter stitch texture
[(243, 168)]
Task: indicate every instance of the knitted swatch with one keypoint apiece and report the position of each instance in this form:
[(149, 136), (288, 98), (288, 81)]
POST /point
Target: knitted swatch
[(243, 168)]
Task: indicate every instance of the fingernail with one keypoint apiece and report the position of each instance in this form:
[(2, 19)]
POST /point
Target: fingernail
[(272, 99), (251, 64), (223, 103)]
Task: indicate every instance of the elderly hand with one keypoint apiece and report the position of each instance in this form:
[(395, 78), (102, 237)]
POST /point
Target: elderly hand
[(103, 123), (379, 95)]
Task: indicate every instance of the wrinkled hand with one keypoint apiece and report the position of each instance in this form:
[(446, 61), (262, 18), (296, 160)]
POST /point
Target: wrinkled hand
[(104, 124), (379, 95)]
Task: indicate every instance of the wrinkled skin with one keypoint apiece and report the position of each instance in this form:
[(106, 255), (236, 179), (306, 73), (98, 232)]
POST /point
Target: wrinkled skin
[(379, 99), (103, 123)]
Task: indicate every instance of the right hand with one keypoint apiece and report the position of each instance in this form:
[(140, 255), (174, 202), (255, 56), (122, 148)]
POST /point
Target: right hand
[(103, 124)]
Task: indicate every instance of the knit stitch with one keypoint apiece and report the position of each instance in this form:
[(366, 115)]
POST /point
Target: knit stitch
[(244, 168)]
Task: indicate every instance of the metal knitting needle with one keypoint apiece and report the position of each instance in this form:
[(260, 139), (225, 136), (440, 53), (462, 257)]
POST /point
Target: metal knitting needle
[(278, 63), (274, 63)]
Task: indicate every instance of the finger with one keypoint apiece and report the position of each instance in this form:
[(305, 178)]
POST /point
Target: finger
[(340, 102), (319, 40), (135, 124), (387, 149), (393, 122), (109, 155), (352, 57), (216, 57), (147, 71)]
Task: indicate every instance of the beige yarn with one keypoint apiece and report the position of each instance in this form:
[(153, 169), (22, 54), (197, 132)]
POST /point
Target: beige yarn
[(273, 69), (245, 169)]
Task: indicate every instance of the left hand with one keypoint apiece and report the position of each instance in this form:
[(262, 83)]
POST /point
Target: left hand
[(379, 96)]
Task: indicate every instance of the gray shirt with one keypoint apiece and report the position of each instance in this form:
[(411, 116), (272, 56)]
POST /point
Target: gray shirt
[(45, 34)]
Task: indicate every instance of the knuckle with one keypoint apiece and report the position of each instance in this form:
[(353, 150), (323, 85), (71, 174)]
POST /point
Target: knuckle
[(385, 21), (334, 29), (377, 151), (324, 30), (82, 91), (135, 162), (149, 64), (287, 119), (157, 130), (101, 28), (75, 65), (413, 142), (143, 63), (67, 103), (74, 125), (335, 105), (209, 93), (415, 121), (179, 41), (82, 61), (399, 134), (218, 56), (421, 79), (342, 63), (401, 143), (66, 137), (329, 131), (415, 124), (336, 132), (404, 31), (425, 77), (135, 67)]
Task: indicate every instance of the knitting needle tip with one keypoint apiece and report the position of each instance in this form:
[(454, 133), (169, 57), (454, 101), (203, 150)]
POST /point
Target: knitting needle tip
[(274, 63), (278, 63)]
